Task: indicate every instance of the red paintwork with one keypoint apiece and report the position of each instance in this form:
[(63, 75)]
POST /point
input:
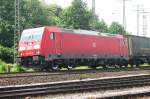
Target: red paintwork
[(83, 44), (29, 50), (76, 44)]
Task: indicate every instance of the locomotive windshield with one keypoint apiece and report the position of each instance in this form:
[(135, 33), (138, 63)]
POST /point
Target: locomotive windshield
[(32, 34)]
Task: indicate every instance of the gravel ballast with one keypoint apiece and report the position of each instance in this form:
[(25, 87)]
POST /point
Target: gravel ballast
[(99, 94), (56, 78)]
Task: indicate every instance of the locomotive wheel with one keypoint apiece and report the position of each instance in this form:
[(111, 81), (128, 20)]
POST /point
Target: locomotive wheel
[(126, 65), (132, 65), (55, 67), (116, 66), (104, 67), (69, 67)]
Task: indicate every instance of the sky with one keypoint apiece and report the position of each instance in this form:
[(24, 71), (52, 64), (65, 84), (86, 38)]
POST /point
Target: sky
[(112, 10)]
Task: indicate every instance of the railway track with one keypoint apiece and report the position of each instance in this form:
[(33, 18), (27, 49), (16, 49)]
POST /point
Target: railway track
[(43, 77), (64, 72), (75, 85)]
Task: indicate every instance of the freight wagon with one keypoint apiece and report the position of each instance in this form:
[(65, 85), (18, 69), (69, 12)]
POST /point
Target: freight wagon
[(139, 49), (54, 47)]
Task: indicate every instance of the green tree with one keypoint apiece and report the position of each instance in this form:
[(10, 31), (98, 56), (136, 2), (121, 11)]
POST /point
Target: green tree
[(54, 14), (116, 28), (96, 24), (76, 16), (6, 54), (34, 14), (6, 22)]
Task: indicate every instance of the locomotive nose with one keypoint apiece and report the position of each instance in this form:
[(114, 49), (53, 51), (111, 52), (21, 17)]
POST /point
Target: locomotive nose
[(29, 48)]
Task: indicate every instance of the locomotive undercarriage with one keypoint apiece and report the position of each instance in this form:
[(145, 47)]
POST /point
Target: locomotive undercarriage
[(39, 63), (35, 62)]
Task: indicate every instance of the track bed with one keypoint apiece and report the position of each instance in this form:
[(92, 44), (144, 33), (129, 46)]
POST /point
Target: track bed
[(43, 77)]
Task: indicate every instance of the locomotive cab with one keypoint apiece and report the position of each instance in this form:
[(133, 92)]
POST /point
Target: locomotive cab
[(29, 49)]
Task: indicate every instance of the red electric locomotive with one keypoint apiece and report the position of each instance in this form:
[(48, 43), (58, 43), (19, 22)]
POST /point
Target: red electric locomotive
[(52, 47)]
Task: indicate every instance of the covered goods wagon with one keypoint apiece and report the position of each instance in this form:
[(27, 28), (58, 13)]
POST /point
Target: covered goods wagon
[(139, 49)]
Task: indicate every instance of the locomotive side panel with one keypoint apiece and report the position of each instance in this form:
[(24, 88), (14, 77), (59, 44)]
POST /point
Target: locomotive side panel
[(47, 43), (70, 44), (92, 46), (51, 43), (102, 46)]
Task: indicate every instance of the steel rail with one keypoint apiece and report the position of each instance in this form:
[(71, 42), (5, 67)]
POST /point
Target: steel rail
[(75, 85)]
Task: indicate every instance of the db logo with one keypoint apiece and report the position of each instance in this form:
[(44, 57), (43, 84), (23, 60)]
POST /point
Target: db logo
[(93, 44)]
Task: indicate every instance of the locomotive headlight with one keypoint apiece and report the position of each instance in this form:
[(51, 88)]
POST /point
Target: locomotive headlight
[(37, 52), (21, 48), (36, 46), (21, 54)]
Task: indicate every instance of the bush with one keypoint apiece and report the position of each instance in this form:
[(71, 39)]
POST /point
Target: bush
[(2, 66), (6, 54), (16, 68), (10, 67)]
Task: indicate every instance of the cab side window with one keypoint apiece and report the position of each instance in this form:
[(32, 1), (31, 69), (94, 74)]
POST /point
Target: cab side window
[(125, 41), (52, 36)]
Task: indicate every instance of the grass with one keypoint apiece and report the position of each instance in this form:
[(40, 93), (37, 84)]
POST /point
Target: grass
[(77, 68), (144, 65), (81, 67), (16, 68), (4, 67), (27, 69)]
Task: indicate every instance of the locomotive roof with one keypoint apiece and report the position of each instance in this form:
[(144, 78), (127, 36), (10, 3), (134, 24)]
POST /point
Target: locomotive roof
[(89, 32), (76, 31)]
